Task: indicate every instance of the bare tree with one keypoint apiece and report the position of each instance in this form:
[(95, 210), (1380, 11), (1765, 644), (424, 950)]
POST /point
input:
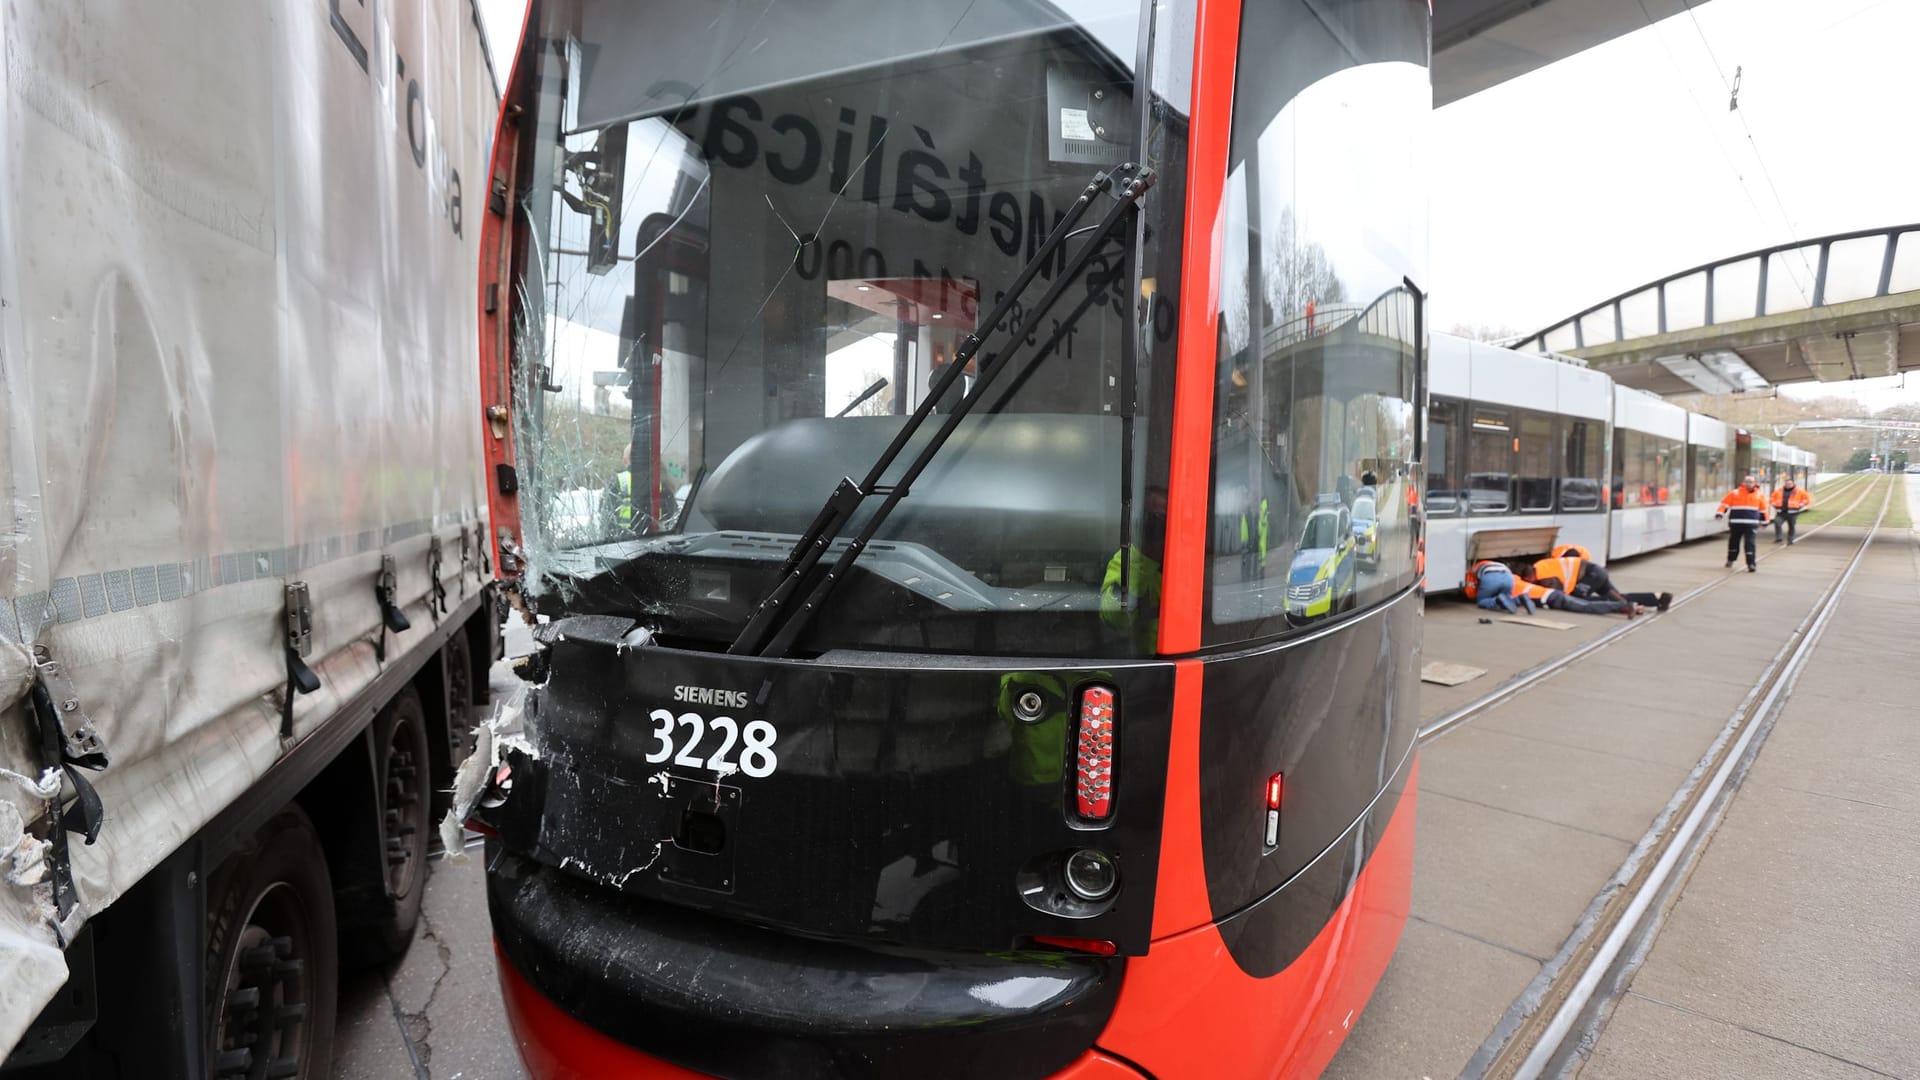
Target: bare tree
[(1297, 273)]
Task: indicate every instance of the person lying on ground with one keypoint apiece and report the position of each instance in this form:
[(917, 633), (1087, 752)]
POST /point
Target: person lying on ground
[(1573, 570)]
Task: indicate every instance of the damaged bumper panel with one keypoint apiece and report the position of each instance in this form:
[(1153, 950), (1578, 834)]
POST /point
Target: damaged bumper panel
[(731, 1000)]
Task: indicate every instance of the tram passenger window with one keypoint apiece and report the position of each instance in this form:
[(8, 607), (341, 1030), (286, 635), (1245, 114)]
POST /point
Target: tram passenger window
[(1314, 482), (1537, 465), (1490, 453), (1670, 471), (1444, 497), (1629, 468), (1582, 469)]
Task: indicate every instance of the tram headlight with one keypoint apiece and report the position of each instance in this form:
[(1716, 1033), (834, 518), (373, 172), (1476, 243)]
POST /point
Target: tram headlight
[(1091, 875)]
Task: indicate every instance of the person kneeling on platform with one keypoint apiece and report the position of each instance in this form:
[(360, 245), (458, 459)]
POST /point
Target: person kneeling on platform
[(1572, 569)]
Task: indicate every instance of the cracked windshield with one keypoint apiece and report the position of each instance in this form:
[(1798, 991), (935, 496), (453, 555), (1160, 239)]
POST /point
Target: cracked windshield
[(750, 269)]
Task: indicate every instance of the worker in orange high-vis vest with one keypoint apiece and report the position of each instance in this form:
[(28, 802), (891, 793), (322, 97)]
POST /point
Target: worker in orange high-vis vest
[(1550, 596), (1745, 509), (1789, 499), (1573, 569)]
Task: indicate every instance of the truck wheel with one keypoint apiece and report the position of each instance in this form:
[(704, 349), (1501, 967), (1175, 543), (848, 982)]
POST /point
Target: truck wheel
[(457, 658), (271, 974), (406, 795)]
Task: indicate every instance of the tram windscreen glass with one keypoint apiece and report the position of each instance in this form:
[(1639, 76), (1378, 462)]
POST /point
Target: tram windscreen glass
[(761, 231), (1323, 229)]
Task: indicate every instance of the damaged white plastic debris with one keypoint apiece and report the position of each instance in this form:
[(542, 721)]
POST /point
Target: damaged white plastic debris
[(491, 742), (23, 855)]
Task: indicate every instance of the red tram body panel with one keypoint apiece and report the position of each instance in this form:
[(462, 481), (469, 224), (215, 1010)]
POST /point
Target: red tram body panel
[(967, 470)]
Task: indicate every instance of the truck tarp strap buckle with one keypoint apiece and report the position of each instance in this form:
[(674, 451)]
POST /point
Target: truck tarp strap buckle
[(80, 744), (387, 588), (87, 813), (438, 605), (300, 677)]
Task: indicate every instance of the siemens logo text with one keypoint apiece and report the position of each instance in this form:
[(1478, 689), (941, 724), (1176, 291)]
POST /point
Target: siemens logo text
[(704, 695)]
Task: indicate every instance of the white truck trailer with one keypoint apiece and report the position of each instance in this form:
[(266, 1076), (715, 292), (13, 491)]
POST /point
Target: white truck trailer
[(245, 602)]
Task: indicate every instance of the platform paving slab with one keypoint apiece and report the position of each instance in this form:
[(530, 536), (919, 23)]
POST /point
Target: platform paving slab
[(1575, 715), (1799, 923), (1527, 880), (1440, 989), (1600, 793), (1657, 1041), (1872, 756)]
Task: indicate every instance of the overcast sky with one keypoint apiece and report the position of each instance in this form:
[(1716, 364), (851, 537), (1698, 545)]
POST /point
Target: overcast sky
[(1623, 164)]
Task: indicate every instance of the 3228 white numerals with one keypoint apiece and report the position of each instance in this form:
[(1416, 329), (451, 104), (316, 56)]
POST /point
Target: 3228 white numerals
[(756, 739)]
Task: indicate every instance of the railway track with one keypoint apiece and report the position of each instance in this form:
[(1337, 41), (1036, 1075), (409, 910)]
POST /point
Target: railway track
[(1547, 1025), (1534, 676)]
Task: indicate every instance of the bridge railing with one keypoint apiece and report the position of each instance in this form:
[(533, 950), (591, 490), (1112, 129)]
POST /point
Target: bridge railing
[(1788, 277)]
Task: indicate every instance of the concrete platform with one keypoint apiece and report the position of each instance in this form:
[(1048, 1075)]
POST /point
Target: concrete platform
[(1794, 948), (1529, 810)]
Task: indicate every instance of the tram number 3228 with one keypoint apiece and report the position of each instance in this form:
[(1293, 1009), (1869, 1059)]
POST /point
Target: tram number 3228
[(756, 739)]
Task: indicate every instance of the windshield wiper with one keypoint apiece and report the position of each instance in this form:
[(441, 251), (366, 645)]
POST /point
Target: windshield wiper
[(784, 612), (878, 385)]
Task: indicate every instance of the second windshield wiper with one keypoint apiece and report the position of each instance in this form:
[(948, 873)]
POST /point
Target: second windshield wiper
[(785, 611)]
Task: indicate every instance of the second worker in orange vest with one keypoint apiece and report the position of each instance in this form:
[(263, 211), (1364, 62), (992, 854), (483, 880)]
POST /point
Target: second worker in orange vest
[(1788, 500)]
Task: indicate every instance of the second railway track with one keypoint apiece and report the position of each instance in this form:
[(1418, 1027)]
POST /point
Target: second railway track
[(1543, 1029)]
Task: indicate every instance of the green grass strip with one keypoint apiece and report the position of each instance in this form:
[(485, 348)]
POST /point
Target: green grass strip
[(1829, 501)]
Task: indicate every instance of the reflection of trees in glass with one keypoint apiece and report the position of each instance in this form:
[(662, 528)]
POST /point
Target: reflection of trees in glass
[(880, 404), (1296, 272)]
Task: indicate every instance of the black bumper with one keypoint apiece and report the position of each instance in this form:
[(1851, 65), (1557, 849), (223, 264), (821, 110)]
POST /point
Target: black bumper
[(734, 1000)]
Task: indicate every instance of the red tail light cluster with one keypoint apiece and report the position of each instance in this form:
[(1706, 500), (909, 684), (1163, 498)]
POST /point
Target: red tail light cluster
[(1273, 810), (1093, 753)]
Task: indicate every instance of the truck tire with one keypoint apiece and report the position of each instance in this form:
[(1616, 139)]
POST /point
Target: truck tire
[(406, 798), (457, 658), (271, 974)]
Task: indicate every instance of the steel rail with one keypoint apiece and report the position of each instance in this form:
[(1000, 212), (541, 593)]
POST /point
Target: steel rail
[(1539, 1041), (1533, 676)]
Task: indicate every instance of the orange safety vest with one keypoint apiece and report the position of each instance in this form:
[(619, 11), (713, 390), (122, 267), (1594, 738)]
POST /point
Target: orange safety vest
[(1800, 501), (1535, 591), (1744, 507), (1565, 569), (1472, 587)]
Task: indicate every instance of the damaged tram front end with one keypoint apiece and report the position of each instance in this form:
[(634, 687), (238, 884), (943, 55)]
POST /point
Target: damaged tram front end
[(833, 370)]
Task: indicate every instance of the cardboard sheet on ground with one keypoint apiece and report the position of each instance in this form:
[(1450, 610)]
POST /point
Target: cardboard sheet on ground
[(1535, 620), (1447, 674)]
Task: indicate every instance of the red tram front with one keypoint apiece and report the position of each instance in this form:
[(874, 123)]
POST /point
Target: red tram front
[(964, 459)]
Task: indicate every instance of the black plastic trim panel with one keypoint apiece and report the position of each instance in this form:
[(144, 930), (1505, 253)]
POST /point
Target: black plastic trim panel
[(734, 1000)]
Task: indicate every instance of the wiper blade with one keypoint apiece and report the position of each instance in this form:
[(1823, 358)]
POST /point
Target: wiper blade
[(784, 612), (878, 385)]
